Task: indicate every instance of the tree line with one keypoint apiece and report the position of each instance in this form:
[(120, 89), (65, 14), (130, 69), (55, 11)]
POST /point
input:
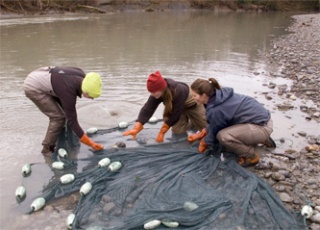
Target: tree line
[(45, 6)]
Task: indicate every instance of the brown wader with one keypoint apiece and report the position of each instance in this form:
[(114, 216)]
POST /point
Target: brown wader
[(50, 107), (193, 116), (241, 139)]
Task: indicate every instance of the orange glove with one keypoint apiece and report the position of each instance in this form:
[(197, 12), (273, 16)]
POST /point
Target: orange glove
[(202, 146), (197, 136), (163, 130), (136, 129), (87, 141)]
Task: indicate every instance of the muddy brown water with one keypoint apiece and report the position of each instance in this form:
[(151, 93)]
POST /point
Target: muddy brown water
[(125, 48)]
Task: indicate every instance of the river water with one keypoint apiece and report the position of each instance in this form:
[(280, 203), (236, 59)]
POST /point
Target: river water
[(124, 48)]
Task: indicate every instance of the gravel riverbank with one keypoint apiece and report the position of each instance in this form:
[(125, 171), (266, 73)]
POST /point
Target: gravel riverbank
[(295, 173)]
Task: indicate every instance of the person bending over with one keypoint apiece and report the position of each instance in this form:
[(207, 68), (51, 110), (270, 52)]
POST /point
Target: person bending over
[(54, 90), (181, 112)]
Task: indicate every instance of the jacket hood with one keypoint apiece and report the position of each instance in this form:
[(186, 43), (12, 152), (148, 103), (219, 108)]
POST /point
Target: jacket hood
[(219, 97)]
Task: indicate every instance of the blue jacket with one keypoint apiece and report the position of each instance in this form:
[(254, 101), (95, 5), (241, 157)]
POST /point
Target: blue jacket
[(226, 108)]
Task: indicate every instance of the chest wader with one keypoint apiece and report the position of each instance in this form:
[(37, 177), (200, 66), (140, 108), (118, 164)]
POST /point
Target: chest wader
[(193, 116)]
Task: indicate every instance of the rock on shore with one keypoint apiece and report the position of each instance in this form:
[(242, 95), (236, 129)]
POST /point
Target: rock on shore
[(295, 174), (298, 57)]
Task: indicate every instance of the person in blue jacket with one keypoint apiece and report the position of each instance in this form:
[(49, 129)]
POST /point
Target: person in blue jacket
[(237, 122)]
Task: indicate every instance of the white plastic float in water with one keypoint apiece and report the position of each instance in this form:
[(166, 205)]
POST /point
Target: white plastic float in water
[(306, 211), (20, 192), (58, 165), (63, 153), (26, 169), (189, 206), (115, 166), (170, 224), (92, 130), (104, 162), (38, 203), (70, 220), (153, 120), (152, 224), (85, 188), (123, 125), (67, 178)]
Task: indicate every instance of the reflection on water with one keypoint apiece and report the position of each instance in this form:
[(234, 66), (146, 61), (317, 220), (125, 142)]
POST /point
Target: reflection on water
[(124, 48), (129, 46)]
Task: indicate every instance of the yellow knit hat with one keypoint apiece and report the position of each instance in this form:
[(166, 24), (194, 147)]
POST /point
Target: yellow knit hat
[(92, 84)]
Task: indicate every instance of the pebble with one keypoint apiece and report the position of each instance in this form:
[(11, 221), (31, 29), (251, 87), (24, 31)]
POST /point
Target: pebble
[(278, 176), (316, 218), (285, 197), (314, 226), (280, 188), (108, 208), (302, 133)]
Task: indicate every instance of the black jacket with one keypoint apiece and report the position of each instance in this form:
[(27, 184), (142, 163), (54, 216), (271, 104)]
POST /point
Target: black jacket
[(66, 84), (180, 93)]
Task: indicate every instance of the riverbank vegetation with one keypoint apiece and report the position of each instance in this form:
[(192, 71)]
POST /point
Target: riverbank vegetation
[(103, 6)]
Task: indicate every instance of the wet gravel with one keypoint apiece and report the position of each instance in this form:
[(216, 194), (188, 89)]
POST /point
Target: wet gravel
[(295, 173)]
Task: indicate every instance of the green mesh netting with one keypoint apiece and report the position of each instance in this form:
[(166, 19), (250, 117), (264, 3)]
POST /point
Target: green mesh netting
[(169, 182)]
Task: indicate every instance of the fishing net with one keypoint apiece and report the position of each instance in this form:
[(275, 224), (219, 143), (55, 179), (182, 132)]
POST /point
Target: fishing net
[(162, 185)]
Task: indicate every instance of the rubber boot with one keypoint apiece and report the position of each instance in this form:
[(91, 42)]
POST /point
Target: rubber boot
[(253, 159), (46, 151), (52, 148), (270, 143)]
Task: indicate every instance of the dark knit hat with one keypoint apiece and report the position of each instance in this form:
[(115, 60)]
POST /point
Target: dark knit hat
[(156, 82)]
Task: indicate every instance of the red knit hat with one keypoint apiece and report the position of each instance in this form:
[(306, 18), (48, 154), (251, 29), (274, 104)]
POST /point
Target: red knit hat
[(156, 82)]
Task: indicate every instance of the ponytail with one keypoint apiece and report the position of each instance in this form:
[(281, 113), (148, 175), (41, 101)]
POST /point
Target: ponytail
[(208, 87), (214, 83)]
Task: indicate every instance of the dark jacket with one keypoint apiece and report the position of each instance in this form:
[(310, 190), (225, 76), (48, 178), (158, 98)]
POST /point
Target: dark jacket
[(180, 92), (66, 84), (226, 108)]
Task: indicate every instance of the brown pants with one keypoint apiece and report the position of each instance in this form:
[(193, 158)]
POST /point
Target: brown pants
[(193, 116), (49, 106), (241, 139)]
